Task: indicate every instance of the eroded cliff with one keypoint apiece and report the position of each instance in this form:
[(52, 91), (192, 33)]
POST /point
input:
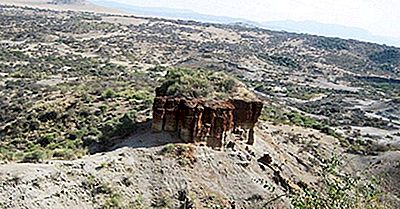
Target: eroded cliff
[(210, 122)]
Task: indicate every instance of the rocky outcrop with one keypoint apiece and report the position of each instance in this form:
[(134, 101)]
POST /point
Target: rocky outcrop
[(212, 122), (246, 116)]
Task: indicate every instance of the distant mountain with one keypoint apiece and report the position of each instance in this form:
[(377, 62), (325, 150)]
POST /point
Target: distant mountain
[(170, 13), (58, 2), (308, 27), (330, 30)]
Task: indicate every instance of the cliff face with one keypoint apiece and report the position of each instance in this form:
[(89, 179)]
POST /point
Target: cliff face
[(246, 116), (212, 122)]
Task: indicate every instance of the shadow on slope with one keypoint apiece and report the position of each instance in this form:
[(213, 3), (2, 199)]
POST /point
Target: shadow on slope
[(141, 137)]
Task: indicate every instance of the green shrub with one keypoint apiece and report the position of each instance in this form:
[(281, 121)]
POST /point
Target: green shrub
[(193, 83), (34, 156), (113, 201), (279, 60), (67, 154), (103, 108), (5, 153), (279, 116), (183, 153), (169, 148), (141, 95), (119, 128), (339, 191), (103, 189), (47, 139), (108, 93)]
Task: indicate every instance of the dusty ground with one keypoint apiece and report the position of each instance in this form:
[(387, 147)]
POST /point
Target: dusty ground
[(139, 173)]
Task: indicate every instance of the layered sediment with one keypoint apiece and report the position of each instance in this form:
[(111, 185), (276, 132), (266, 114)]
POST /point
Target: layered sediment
[(212, 122)]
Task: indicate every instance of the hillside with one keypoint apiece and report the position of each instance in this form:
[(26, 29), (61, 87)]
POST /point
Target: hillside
[(76, 95)]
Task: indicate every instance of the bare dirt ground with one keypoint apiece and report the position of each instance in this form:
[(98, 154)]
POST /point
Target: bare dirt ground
[(140, 172)]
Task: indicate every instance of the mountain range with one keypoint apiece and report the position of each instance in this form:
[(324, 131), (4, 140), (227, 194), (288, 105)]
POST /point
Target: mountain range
[(307, 27)]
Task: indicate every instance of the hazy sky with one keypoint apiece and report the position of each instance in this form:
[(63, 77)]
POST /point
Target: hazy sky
[(381, 17)]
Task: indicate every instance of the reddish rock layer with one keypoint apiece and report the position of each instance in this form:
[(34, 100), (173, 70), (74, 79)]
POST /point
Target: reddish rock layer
[(205, 121)]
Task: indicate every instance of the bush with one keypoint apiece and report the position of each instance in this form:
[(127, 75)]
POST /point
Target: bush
[(196, 83), (103, 189), (339, 191), (169, 148), (183, 153), (142, 95), (119, 128), (5, 153), (34, 156), (108, 93), (280, 60), (47, 139), (277, 115), (113, 201), (66, 154)]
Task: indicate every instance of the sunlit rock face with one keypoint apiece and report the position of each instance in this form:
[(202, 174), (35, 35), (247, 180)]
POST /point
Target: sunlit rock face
[(213, 122)]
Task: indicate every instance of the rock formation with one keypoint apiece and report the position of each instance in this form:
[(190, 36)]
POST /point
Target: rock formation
[(246, 116), (212, 122)]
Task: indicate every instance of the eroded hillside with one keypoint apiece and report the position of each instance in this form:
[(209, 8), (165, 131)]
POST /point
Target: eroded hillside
[(78, 83)]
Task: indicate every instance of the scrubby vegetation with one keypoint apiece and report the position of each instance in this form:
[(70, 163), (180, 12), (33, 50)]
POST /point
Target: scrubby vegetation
[(183, 153), (329, 43), (62, 117), (66, 120), (279, 60), (66, 81), (197, 83), (280, 116), (339, 190), (71, 82), (387, 56)]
